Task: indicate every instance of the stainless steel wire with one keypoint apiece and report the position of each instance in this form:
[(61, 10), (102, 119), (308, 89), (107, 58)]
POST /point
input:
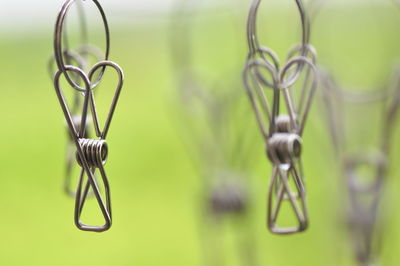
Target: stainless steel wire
[(91, 153), (365, 171), (58, 41), (216, 136), (79, 57), (282, 132), (364, 197)]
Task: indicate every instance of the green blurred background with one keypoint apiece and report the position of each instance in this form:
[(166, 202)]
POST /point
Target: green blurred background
[(156, 191)]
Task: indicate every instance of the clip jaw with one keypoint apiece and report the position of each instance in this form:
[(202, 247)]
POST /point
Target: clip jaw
[(92, 153), (282, 133)]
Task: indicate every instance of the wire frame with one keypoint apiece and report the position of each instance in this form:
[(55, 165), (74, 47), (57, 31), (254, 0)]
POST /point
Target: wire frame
[(267, 82), (365, 171), (212, 119), (92, 153), (80, 57)]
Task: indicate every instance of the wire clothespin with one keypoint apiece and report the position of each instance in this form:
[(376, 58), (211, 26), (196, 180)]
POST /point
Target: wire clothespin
[(91, 153), (282, 132), (216, 151), (364, 197), (207, 108), (80, 57)]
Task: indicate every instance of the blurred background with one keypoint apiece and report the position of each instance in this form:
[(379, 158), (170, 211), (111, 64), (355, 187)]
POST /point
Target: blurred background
[(156, 167)]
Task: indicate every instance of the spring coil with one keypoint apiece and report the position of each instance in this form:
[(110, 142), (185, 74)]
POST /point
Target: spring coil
[(95, 152), (228, 200), (284, 147), (283, 124)]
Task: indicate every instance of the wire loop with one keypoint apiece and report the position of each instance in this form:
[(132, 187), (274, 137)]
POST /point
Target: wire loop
[(58, 36)]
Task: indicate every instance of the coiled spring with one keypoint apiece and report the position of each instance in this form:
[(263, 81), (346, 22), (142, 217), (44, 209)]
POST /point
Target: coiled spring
[(95, 151), (229, 198), (284, 148), (284, 124)]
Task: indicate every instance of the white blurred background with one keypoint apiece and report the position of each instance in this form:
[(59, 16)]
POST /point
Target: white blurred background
[(29, 14)]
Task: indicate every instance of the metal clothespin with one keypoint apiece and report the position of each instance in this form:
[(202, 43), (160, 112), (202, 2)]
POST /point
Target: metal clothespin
[(364, 198), (212, 114), (282, 132), (91, 153), (364, 170), (80, 57), (212, 147)]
